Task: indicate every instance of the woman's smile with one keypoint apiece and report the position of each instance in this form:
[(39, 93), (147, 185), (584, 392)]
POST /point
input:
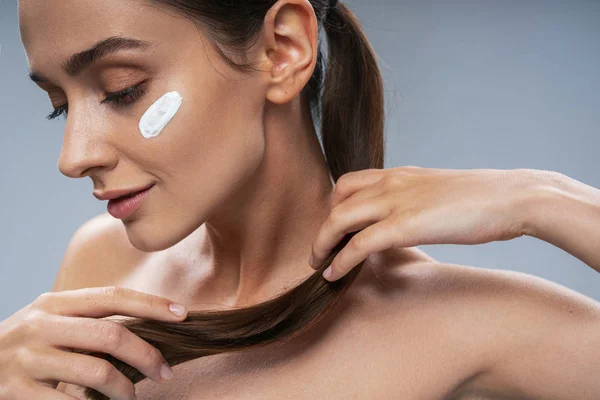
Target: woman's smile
[(125, 206)]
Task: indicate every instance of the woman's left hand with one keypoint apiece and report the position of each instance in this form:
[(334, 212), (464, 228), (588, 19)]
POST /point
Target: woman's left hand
[(411, 206)]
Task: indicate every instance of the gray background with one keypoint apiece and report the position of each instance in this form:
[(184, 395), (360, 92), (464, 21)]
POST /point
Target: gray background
[(479, 84)]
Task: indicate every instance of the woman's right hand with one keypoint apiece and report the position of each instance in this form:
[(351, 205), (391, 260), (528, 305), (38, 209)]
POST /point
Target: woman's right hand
[(36, 343)]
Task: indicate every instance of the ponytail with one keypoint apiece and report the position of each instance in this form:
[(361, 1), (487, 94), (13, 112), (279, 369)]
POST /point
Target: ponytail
[(352, 128), (353, 116)]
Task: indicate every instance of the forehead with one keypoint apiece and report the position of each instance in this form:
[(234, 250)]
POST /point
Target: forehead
[(52, 30)]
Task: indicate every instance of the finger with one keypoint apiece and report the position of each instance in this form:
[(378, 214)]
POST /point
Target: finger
[(344, 219), (80, 369), (106, 301), (366, 193), (107, 337), (354, 181), (39, 392), (375, 238)]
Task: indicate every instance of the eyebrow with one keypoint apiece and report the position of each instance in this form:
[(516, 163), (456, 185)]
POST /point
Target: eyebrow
[(80, 61)]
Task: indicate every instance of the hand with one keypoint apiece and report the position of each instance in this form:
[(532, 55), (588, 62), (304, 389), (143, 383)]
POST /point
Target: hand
[(411, 206), (35, 343)]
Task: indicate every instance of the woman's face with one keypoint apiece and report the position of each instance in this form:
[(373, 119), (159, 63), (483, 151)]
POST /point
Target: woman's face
[(216, 136)]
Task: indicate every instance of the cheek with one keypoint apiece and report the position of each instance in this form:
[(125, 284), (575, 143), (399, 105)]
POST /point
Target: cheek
[(216, 135), (219, 124)]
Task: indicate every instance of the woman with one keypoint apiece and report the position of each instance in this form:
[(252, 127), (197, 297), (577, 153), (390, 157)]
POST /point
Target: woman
[(234, 196)]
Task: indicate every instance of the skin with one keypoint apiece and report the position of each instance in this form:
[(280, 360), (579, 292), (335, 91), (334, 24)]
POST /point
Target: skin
[(242, 232), (256, 182), (248, 222)]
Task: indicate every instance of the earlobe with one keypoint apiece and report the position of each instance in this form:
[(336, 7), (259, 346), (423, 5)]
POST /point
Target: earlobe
[(291, 37)]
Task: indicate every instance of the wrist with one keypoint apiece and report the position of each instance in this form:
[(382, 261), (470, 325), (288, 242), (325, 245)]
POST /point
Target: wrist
[(542, 201)]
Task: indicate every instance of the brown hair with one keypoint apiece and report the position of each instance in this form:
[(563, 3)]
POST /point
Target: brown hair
[(348, 97)]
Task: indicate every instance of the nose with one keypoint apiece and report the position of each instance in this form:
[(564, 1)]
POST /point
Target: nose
[(85, 149)]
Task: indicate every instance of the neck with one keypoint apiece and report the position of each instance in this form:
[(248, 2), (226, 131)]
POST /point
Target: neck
[(258, 243)]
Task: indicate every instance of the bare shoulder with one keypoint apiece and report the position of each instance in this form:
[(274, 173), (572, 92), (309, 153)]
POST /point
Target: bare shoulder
[(500, 325), (98, 253), (534, 324), (447, 282)]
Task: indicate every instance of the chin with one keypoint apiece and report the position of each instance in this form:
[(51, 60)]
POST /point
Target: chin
[(147, 238), (153, 236)]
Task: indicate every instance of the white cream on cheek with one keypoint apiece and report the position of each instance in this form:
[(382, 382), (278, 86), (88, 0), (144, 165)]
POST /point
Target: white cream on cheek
[(159, 114)]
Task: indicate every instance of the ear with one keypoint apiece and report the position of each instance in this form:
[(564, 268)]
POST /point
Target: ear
[(291, 45)]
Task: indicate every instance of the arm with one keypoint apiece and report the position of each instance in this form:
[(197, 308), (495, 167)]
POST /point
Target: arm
[(566, 213), (535, 339), (553, 348)]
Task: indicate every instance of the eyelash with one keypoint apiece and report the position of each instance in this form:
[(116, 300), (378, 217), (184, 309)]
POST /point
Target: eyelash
[(121, 99)]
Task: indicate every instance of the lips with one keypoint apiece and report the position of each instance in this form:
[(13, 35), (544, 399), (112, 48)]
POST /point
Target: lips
[(128, 195), (124, 206), (120, 194)]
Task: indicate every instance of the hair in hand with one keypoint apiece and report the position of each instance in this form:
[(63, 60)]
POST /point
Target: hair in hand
[(345, 95)]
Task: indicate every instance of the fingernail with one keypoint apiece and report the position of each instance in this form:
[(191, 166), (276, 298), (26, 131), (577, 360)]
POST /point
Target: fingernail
[(166, 372), (327, 273), (310, 261), (177, 309)]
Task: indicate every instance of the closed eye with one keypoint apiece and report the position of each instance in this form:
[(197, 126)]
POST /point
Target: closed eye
[(121, 99)]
